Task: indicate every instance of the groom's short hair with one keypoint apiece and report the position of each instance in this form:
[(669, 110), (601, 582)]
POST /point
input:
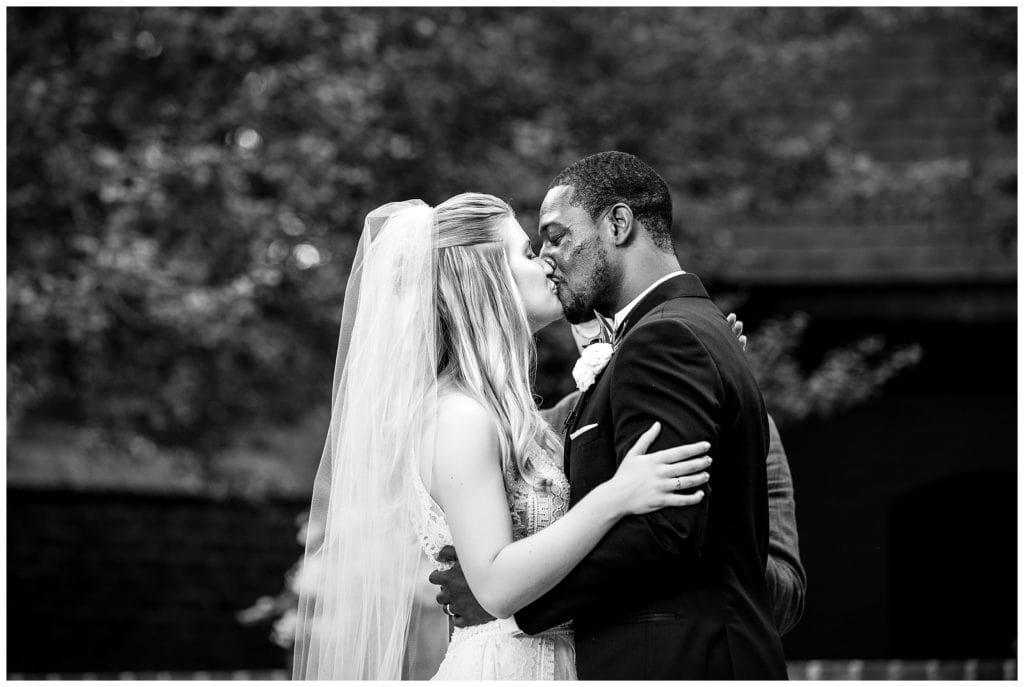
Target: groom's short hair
[(601, 180)]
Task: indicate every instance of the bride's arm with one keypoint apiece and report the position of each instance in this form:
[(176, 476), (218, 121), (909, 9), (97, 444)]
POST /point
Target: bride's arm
[(467, 483)]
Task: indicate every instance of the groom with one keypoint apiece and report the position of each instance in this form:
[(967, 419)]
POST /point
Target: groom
[(679, 593)]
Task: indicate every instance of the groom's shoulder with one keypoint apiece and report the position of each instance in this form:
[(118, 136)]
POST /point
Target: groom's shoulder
[(679, 325), (663, 348), (698, 315), (675, 314), (663, 328)]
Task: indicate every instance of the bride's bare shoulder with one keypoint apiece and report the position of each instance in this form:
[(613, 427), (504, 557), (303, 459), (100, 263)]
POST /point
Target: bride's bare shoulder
[(457, 408), (464, 424), (457, 402)]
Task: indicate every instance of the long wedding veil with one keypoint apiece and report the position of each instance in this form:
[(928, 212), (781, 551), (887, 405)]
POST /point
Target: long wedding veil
[(362, 562)]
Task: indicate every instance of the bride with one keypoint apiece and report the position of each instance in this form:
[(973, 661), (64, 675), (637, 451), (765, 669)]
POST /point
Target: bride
[(435, 439)]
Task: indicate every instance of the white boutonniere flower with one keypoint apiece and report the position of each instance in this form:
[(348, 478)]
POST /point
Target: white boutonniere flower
[(594, 359)]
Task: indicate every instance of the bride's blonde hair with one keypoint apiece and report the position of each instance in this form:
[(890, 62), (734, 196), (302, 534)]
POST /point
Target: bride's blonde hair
[(485, 347)]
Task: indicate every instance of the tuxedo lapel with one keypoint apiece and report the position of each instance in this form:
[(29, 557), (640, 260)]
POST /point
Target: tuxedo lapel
[(570, 426), (570, 419), (679, 286), (684, 285)]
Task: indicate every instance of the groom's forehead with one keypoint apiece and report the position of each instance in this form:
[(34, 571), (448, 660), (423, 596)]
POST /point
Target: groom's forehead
[(558, 212)]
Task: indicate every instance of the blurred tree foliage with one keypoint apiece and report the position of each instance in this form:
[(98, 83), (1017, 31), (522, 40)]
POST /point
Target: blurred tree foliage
[(846, 376), (186, 185)]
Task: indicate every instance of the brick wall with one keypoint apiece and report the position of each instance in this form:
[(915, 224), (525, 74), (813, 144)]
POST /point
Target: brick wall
[(112, 581), (924, 96), (920, 94)]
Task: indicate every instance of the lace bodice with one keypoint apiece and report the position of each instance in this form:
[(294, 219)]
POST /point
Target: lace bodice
[(499, 650), (531, 508)]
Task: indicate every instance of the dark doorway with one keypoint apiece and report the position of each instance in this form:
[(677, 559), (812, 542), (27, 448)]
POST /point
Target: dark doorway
[(954, 568)]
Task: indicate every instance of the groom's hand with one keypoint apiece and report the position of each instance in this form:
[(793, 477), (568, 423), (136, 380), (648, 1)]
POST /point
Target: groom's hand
[(465, 611)]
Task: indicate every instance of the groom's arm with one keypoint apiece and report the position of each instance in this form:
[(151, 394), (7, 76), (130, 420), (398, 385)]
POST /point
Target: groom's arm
[(785, 573), (662, 372)]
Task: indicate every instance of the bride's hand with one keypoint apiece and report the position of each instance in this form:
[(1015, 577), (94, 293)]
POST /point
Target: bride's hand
[(737, 328), (647, 482)]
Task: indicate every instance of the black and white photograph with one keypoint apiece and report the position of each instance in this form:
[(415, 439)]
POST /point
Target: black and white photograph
[(493, 342)]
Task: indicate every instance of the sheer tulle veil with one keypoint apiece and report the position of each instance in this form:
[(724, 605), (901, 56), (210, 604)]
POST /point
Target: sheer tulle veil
[(362, 562)]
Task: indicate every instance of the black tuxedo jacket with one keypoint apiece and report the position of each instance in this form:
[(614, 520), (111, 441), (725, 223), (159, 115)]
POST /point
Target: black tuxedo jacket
[(679, 593)]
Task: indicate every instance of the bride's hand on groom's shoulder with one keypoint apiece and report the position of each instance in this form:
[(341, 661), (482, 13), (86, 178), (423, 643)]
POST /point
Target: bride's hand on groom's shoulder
[(737, 328), (646, 482)]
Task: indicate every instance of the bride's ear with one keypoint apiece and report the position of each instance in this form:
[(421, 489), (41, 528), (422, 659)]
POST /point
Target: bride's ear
[(621, 224)]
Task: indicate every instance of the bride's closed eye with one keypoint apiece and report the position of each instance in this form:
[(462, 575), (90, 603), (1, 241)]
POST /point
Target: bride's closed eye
[(528, 251)]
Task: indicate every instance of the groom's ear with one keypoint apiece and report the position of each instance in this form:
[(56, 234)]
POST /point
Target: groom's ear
[(621, 224)]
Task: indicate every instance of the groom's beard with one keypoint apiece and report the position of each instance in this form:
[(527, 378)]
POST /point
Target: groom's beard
[(575, 307), (579, 305)]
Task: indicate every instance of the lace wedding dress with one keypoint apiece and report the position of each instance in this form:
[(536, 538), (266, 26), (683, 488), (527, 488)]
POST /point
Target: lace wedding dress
[(499, 650)]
